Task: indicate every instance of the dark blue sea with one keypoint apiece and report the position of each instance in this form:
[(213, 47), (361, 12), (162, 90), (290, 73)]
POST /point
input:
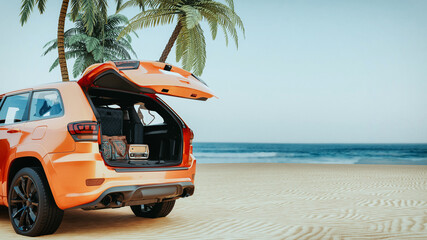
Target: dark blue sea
[(396, 154)]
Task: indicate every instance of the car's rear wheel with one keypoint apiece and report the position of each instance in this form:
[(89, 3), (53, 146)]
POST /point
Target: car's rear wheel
[(32, 209), (154, 210)]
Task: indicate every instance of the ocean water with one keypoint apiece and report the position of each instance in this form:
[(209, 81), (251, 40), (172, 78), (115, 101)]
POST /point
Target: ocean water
[(396, 154)]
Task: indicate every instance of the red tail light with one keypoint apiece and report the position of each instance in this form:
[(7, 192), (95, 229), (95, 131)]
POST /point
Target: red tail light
[(191, 136), (84, 131), (191, 141)]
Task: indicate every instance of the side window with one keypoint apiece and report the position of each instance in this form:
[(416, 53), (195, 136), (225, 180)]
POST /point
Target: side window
[(46, 104), (147, 117), (14, 108)]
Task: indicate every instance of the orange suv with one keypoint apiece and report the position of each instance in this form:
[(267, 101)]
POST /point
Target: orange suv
[(105, 141)]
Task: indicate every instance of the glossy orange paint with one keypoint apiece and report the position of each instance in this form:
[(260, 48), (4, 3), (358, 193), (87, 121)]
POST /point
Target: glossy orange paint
[(151, 75), (68, 164)]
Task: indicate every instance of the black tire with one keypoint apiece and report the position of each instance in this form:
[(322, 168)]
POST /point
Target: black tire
[(154, 210), (32, 209)]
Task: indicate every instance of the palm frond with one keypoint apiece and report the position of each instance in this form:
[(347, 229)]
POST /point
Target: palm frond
[(115, 20), (91, 43), (102, 6), (192, 16), (78, 65), (149, 18), (26, 9), (98, 54), (118, 5), (141, 4), (230, 4), (54, 65), (68, 55), (75, 9), (53, 45), (78, 38), (89, 14), (41, 4), (191, 49)]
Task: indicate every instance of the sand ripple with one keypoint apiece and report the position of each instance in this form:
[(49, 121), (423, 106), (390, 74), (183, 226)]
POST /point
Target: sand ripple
[(398, 203), (401, 224)]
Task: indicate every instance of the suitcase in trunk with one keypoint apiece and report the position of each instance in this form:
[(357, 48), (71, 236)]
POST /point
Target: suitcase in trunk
[(114, 147)]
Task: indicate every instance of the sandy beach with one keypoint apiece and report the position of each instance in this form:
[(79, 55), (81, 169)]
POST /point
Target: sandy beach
[(272, 201)]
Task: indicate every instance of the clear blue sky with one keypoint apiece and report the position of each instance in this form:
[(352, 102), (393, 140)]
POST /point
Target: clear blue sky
[(307, 72)]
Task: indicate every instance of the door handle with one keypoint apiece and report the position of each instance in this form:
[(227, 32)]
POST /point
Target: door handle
[(14, 131)]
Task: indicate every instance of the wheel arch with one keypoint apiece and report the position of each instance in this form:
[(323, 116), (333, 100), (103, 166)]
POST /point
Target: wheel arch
[(18, 164)]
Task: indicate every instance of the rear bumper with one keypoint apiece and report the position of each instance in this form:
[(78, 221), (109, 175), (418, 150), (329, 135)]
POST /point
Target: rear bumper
[(67, 174), (137, 195)]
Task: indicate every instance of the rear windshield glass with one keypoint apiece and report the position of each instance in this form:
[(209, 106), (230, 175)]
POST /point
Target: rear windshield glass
[(146, 116)]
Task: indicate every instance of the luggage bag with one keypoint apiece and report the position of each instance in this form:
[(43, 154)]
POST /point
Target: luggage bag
[(114, 147)]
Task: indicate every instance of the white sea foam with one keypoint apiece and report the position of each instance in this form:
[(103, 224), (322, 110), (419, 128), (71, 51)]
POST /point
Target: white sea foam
[(235, 155), (269, 157)]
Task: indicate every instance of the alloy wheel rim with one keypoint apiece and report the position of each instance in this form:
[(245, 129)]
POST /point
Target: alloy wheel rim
[(24, 203)]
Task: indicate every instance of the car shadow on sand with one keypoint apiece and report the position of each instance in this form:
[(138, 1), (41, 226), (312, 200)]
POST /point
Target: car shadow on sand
[(80, 222)]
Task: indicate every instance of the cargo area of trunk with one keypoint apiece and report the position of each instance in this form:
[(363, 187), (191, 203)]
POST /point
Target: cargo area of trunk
[(141, 120)]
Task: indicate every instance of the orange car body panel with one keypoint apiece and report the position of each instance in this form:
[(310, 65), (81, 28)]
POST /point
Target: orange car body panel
[(67, 163)]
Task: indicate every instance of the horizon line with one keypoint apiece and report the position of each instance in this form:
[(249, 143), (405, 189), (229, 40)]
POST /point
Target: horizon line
[(391, 143)]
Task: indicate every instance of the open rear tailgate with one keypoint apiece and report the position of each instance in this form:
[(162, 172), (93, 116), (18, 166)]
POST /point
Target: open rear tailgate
[(145, 77)]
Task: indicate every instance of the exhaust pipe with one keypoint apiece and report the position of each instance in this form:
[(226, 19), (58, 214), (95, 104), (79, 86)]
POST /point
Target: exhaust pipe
[(113, 200), (117, 199), (106, 201), (185, 193), (188, 191)]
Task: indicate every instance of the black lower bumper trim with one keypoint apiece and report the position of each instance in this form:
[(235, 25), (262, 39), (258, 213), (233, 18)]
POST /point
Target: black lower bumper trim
[(139, 194)]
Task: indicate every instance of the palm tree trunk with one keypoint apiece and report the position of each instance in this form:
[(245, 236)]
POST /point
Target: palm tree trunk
[(171, 42), (61, 48)]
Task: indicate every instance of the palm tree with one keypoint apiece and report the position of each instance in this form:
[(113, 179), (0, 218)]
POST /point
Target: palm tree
[(188, 34), (100, 46), (90, 9)]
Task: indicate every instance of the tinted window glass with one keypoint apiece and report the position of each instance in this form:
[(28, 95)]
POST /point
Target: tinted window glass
[(14, 108), (46, 104), (148, 117)]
